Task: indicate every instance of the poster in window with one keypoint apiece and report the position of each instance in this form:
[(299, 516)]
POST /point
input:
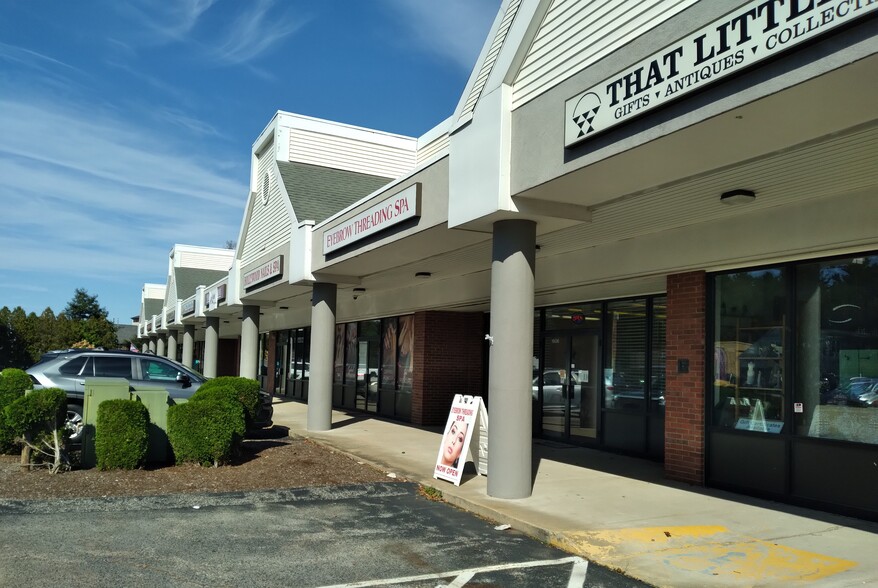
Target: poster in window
[(405, 364)]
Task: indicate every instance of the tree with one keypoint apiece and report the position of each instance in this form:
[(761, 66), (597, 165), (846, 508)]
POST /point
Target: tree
[(84, 306)]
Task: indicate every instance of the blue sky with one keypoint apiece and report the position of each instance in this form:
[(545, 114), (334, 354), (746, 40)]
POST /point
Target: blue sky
[(126, 127)]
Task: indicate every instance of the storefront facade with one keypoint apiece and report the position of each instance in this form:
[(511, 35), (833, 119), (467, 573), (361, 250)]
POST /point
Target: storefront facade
[(649, 231)]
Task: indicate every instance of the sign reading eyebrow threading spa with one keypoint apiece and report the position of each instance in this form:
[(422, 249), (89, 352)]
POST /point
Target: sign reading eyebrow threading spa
[(392, 211), (757, 30)]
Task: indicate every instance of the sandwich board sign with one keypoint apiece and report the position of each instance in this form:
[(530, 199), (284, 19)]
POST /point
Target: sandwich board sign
[(467, 424)]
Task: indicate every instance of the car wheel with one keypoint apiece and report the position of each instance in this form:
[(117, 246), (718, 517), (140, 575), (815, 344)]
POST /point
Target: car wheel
[(74, 423)]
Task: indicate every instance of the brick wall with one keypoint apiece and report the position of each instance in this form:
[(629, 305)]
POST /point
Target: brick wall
[(684, 395), (447, 359)]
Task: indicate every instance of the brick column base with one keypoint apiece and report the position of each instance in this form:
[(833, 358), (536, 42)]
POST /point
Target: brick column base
[(684, 394)]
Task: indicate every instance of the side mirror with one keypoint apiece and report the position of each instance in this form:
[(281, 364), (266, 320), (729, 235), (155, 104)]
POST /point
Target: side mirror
[(184, 379)]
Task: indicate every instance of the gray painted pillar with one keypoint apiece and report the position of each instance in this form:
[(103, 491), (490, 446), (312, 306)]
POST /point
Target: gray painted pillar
[(144, 347), (323, 298), (510, 374), (211, 345), (172, 344), (151, 344), (188, 344), (249, 365), (160, 346)]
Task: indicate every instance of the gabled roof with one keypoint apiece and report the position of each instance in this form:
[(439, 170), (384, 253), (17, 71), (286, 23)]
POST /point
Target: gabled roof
[(189, 278), (316, 193)]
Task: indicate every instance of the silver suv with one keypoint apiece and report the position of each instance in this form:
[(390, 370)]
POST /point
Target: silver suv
[(68, 370)]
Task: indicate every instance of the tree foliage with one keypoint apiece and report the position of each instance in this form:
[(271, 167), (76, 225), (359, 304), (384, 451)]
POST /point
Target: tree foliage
[(25, 337)]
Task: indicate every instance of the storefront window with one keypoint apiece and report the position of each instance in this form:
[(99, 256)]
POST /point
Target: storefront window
[(338, 371), (749, 327), (836, 393), (388, 353), (405, 347), (625, 365), (350, 371), (657, 377)]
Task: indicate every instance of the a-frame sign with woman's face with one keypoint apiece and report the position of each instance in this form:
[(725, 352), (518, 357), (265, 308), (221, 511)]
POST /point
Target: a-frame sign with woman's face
[(455, 442)]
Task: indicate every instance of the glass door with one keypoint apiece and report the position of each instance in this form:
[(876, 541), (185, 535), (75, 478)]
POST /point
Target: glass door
[(568, 386), (282, 350)]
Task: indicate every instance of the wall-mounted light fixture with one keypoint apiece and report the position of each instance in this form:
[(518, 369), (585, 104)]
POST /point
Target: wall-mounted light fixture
[(737, 196), (422, 275), (359, 292)]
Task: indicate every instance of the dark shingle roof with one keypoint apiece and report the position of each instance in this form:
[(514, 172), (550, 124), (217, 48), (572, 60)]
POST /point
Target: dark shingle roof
[(317, 193), (189, 278), (152, 306)]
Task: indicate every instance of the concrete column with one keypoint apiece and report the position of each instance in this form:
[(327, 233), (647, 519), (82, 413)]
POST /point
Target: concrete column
[(249, 365), (510, 374), (172, 344), (188, 344), (152, 344), (160, 346), (323, 298), (211, 345)]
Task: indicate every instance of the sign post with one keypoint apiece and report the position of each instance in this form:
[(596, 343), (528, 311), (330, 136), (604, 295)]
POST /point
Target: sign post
[(467, 420)]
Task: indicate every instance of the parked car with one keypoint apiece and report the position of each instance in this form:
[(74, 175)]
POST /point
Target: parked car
[(554, 387), (849, 393), (68, 369)]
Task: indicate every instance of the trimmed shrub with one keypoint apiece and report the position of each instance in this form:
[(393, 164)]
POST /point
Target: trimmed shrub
[(247, 391), (7, 437), (121, 434), (36, 416), (206, 431), (15, 381)]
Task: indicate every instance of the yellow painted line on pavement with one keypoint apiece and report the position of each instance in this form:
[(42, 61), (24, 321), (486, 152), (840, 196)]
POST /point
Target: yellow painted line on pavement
[(705, 551)]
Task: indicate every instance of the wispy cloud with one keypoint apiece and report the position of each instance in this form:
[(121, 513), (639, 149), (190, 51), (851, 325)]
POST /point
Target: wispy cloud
[(236, 35), (452, 29), (85, 194), (255, 32)]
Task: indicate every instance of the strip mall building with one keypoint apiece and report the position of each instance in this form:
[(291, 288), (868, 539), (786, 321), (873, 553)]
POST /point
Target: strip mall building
[(648, 227)]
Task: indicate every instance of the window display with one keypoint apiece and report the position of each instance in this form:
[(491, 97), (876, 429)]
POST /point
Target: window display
[(836, 395), (750, 329)]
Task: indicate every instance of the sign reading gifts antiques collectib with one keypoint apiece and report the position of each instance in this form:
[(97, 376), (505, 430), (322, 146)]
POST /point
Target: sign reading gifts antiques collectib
[(757, 30), (387, 213), (467, 421)]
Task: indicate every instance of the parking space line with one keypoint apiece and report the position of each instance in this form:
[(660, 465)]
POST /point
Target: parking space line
[(577, 576)]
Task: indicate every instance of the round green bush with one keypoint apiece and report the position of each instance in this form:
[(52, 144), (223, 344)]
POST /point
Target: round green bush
[(15, 381), (37, 415), (246, 389), (121, 434), (207, 431)]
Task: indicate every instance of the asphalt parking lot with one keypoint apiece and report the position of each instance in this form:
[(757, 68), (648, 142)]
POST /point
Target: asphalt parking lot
[(382, 534)]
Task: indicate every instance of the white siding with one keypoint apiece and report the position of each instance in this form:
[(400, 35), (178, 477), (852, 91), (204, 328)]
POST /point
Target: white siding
[(491, 57), (270, 224), (432, 148), (577, 33), (350, 154), (171, 299), (203, 260)]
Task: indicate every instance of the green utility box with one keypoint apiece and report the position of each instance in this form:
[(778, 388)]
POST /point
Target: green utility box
[(156, 401), (96, 391)]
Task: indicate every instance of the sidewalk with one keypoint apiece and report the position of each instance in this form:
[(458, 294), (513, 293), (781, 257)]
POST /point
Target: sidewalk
[(622, 513)]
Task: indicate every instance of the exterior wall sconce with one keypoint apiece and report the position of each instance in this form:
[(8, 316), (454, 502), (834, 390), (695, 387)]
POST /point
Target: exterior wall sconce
[(423, 275), (359, 292), (737, 196)]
